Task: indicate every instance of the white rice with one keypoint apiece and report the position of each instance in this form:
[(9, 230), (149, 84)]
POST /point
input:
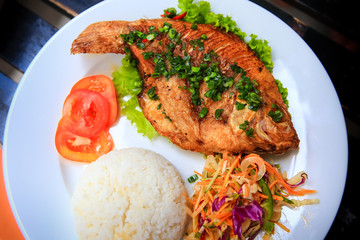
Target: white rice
[(130, 194)]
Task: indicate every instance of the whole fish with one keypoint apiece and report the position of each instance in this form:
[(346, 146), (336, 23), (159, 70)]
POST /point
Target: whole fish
[(204, 88)]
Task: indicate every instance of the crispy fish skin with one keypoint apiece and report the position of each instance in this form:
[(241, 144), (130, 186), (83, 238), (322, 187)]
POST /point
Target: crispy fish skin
[(178, 119)]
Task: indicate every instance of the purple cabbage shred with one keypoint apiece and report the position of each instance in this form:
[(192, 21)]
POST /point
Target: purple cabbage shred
[(252, 211), (217, 204)]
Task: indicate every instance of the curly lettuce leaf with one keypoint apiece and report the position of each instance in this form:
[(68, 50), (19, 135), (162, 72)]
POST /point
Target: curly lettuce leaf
[(200, 12), (283, 91), (262, 49), (128, 85), (127, 79)]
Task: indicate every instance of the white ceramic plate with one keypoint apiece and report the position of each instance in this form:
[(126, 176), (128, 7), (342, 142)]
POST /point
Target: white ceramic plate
[(40, 184)]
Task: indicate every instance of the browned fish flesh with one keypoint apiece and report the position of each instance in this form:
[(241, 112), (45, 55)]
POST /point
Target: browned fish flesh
[(173, 113)]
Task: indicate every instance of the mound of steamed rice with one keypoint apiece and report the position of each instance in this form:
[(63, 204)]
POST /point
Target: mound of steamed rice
[(130, 194)]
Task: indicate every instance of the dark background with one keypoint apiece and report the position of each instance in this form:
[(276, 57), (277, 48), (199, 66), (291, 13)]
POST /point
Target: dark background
[(329, 27)]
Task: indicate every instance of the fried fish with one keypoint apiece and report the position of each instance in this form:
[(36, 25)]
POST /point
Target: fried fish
[(204, 88)]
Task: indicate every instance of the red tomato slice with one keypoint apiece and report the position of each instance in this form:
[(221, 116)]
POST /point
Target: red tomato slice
[(86, 112), (81, 149), (103, 85)]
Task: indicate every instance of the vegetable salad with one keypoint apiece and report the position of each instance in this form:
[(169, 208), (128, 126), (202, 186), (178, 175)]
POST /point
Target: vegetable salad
[(237, 197)]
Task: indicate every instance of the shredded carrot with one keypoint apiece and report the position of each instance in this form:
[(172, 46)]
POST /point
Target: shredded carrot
[(209, 169), (233, 185), (207, 181), (273, 183), (229, 222), (210, 196), (282, 226), (276, 197), (222, 193), (203, 213), (233, 165), (222, 215), (210, 233), (189, 200), (246, 190), (197, 173), (225, 216), (262, 195), (225, 205), (198, 210), (300, 192)]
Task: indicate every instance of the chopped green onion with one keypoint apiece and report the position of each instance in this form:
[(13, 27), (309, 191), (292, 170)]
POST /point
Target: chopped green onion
[(168, 118), (193, 178), (249, 132), (244, 125), (239, 105), (218, 113), (150, 36), (152, 95), (275, 113), (147, 55), (207, 57), (172, 33), (195, 69), (140, 45), (203, 112)]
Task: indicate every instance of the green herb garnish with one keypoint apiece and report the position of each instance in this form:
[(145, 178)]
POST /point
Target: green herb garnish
[(247, 88), (203, 112), (194, 27), (218, 113), (148, 55), (244, 125), (249, 132), (193, 178), (151, 93), (275, 113), (239, 105), (283, 91)]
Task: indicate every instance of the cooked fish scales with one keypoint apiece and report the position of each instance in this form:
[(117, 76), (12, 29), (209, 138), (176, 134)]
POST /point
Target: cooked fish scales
[(178, 118)]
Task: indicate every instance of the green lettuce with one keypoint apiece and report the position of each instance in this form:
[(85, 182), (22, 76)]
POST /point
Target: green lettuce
[(263, 50), (201, 13), (128, 84), (283, 91)]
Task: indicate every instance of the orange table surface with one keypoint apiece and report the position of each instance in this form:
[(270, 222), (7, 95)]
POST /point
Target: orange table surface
[(9, 229)]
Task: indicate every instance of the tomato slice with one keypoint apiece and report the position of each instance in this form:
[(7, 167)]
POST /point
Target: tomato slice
[(103, 85), (86, 112), (81, 149)]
